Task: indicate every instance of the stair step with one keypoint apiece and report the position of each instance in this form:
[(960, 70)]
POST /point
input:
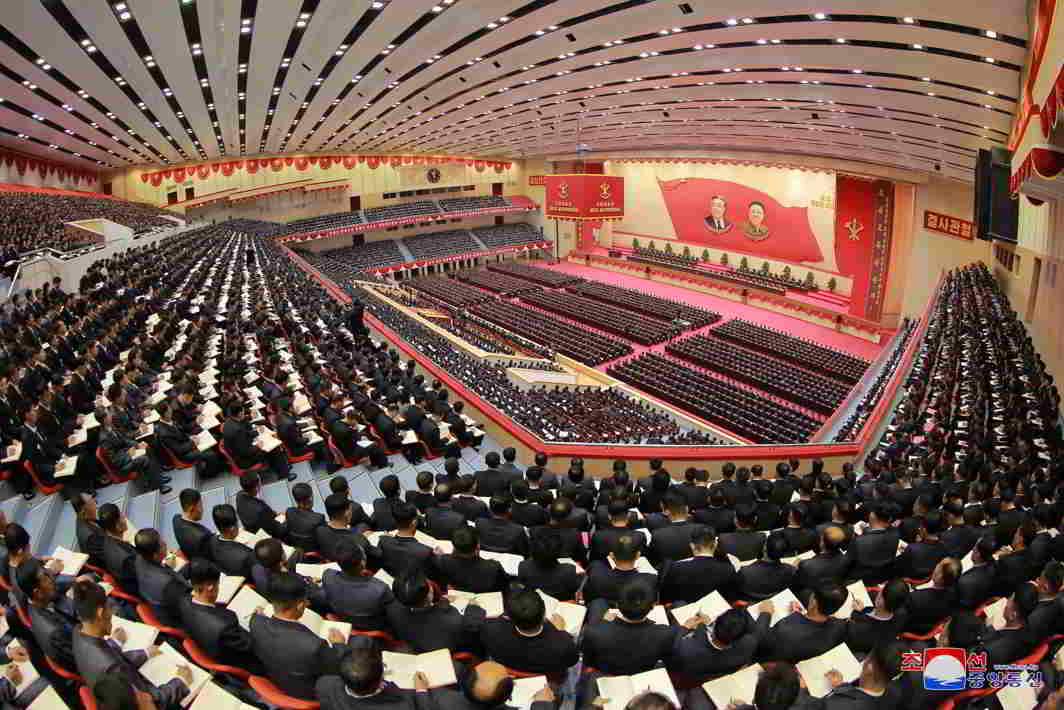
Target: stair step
[(40, 521), (407, 474), (166, 522), (180, 480), (364, 488), (143, 511), (65, 530), (113, 493), (303, 472), (15, 509)]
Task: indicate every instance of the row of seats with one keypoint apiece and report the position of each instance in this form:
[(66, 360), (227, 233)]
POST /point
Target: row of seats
[(690, 265), (544, 277), (449, 291), (496, 282), (640, 302), (781, 280), (437, 244), (323, 222), (612, 319), (474, 335), (856, 420), (344, 263), (554, 415), (750, 415), (407, 209), (33, 220), (568, 339), (463, 204), (776, 377), (504, 235), (802, 351)]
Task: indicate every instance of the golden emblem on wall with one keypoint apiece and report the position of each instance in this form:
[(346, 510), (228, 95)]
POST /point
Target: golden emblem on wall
[(854, 228), (563, 190), (604, 191)]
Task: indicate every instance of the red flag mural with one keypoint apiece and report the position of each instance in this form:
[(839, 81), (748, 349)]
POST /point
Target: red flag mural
[(727, 215)]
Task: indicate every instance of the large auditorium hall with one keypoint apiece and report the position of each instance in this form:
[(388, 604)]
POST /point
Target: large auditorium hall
[(531, 355)]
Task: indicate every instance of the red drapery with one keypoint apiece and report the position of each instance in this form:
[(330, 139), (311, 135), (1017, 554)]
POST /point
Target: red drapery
[(863, 217)]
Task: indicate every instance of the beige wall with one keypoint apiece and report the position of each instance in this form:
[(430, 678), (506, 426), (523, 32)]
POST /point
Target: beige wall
[(933, 252), (368, 182)]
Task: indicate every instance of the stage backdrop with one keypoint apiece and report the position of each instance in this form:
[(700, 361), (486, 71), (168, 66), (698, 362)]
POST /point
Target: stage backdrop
[(814, 218)]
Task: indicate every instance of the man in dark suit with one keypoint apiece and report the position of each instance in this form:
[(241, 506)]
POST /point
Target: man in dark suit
[(524, 511), (128, 456), (492, 481), (980, 582), (708, 649), (414, 415), (620, 524), (627, 642), (291, 432), (402, 553), (545, 571), (799, 533), (293, 655), (214, 628), (801, 636), (883, 621), (606, 578), (965, 529), (346, 434), (829, 565), (459, 429), (872, 553), (95, 657), (180, 445), (500, 534), (429, 433), (784, 485), (384, 423), (87, 528), (717, 515), (256, 514), (301, 521), (466, 570), (118, 555), (487, 686), (464, 502), (526, 641), (158, 583), (424, 622), (572, 540), (441, 520), (928, 607), (423, 497), (673, 540), (232, 557), (703, 571), (36, 449), (360, 685), (193, 537), (768, 576), (745, 543), (359, 599), (239, 438), (52, 626), (695, 488), (338, 508), (921, 556), (538, 491)]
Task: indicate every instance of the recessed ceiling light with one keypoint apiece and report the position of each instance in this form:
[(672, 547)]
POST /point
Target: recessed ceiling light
[(840, 40), (908, 20), (991, 34), (991, 60), (819, 16), (731, 22), (918, 46)]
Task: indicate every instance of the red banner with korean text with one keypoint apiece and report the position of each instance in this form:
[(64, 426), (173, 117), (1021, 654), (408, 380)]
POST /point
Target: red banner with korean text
[(863, 226), (944, 224), (584, 197)]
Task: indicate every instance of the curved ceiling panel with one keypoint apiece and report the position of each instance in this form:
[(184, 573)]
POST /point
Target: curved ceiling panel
[(912, 84)]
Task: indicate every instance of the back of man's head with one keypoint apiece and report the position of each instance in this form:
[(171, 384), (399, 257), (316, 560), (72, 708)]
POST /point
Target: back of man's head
[(777, 687), (287, 589), (500, 505), (465, 540), (337, 505), (561, 509), (489, 685), (626, 549), (636, 599), (443, 493), (412, 589), (404, 513), (829, 597), (362, 670), (350, 556), (729, 627), (526, 609), (492, 459)]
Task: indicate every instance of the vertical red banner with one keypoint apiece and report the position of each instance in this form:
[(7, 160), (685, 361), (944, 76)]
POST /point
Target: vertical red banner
[(863, 224), (584, 196)]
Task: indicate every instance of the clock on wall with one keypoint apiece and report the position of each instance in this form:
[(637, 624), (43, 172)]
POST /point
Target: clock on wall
[(434, 175)]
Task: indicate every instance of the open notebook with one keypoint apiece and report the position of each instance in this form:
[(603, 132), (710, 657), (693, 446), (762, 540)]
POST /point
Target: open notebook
[(315, 572), (72, 561), (783, 606), (710, 606), (525, 689), (48, 700), (162, 668), (437, 666), (509, 562), (572, 613), (490, 602), (619, 690), (214, 697), (857, 600), (138, 636), (814, 671), (739, 685)]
